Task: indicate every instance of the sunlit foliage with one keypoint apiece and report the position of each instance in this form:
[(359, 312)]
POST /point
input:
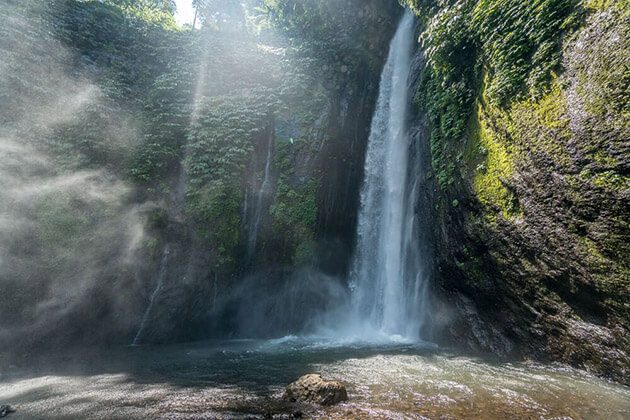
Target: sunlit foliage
[(516, 43)]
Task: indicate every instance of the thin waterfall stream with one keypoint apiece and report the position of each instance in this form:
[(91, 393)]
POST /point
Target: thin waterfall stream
[(159, 284), (261, 195)]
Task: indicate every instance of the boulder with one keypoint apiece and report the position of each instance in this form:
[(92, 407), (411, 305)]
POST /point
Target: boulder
[(5, 410), (313, 388)]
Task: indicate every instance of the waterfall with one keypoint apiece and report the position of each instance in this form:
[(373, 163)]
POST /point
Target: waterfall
[(261, 195), (156, 292), (386, 279)]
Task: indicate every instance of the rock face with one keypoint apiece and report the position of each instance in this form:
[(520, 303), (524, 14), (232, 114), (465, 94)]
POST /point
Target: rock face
[(314, 389), (541, 267)]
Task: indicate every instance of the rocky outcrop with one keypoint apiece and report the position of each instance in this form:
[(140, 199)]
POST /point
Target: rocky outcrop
[(312, 388), (532, 242)]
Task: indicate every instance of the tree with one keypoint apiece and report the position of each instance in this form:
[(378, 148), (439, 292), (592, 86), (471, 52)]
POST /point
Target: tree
[(223, 14), (167, 6)]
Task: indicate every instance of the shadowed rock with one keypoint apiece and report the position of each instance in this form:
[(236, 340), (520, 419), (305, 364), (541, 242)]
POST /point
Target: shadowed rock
[(6, 410)]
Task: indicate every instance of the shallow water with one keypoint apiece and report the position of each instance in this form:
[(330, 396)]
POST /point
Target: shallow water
[(245, 378)]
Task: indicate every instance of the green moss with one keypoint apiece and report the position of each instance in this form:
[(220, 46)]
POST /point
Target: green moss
[(602, 158), (551, 108), (294, 214), (67, 222), (610, 276), (494, 166), (623, 5), (592, 251), (598, 4), (543, 126), (611, 180)]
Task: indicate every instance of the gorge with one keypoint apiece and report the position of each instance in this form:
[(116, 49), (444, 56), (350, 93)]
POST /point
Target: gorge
[(426, 200)]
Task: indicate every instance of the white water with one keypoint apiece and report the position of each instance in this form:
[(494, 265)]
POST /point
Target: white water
[(386, 279), (258, 210), (156, 292), (245, 378)]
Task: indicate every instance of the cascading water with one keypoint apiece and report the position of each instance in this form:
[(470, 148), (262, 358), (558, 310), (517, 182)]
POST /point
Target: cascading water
[(156, 292), (261, 195), (386, 279)]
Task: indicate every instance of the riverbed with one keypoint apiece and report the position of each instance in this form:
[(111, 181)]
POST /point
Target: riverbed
[(245, 379)]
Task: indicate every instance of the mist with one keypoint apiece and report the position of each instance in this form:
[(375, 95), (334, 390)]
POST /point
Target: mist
[(313, 209), (69, 232)]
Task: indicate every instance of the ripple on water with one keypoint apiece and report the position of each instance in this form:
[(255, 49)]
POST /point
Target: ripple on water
[(468, 388), (245, 377)]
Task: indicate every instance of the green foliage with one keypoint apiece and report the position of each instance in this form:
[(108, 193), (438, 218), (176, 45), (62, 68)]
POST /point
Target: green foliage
[(158, 12), (66, 222), (243, 92), (131, 51), (246, 93), (294, 214), (332, 33), (446, 90), (221, 141), (181, 114), (520, 43), (166, 111), (226, 15), (517, 44), (215, 206)]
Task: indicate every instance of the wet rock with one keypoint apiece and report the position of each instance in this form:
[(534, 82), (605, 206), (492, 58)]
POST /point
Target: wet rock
[(314, 389), (6, 410), (550, 280)]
